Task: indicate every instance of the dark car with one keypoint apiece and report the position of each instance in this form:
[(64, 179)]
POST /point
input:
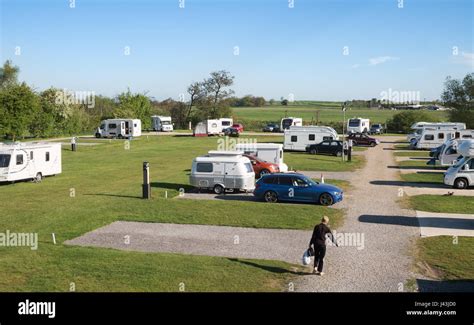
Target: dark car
[(363, 139), (271, 127), (231, 132), (376, 129), (295, 187), (328, 147)]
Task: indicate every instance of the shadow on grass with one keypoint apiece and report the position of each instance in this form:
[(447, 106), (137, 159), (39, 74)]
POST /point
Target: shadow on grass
[(390, 220), (268, 268), (114, 195), (173, 186), (412, 184), (466, 285), (423, 167)]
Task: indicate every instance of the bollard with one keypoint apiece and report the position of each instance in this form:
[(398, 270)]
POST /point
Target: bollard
[(146, 181), (349, 152), (73, 143)]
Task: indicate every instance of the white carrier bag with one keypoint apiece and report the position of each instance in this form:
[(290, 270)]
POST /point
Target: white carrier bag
[(307, 256)]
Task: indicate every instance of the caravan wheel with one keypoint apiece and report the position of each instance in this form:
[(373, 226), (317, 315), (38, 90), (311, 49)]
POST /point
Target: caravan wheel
[(38, 178), (120, 136), (218, 189), (97, 135)]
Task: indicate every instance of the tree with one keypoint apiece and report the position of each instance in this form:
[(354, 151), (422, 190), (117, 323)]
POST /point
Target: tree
[(18, 107), (215, 89), (284, 102), (134, 106), (401, 122), (459, 95), (196, 92), (8, 74)]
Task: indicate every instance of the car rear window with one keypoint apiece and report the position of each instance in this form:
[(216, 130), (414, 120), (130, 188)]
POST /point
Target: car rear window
[(269, 180), (284, 180)]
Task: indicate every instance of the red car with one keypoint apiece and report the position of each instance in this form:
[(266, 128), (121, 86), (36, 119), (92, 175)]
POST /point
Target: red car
[(362, 139), (239, 127), (261, 167)]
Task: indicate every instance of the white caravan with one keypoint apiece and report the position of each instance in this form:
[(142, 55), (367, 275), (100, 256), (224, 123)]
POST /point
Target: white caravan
[(212, 127), (222, 170), (226, 123), (270, 152), (358, 125), (418, 128), (287, 122), (29, 160), (431, 138), (461, 175), (161, 123), (299, 137), (119, 128)]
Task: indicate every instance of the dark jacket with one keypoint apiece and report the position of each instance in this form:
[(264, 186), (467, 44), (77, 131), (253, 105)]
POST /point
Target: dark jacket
[(320, 234)]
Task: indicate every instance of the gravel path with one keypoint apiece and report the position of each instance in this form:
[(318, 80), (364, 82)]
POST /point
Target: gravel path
[(238, 242), (384, 262)]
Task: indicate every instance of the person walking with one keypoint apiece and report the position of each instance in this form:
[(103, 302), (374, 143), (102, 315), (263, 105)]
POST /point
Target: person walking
[(318, 240)]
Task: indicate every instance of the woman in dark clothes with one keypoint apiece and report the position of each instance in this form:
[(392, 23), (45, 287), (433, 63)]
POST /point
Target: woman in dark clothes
[(318, 240)]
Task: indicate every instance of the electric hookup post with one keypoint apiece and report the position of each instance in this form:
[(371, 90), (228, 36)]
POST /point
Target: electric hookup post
[(73, 143), (146, 180), (349, 152)]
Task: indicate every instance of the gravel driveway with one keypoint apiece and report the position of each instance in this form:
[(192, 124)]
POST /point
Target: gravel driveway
[(384, 262)]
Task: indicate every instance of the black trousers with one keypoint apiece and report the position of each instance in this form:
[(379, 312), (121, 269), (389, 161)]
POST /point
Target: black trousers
[(319, 253)]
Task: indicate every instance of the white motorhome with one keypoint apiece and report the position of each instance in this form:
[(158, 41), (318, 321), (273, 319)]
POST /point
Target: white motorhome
[(119, 128), (461, 175), (432, 138), (29, 160), (358, 125), (418, 128), (161, 123), (270, 152), (212, 127), (222, 170), (287, 122), (299, 137)]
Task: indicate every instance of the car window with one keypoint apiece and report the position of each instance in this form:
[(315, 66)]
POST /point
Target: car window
[(269, 180), (325, 143), (334, 143), (299, 182), (284, 180)]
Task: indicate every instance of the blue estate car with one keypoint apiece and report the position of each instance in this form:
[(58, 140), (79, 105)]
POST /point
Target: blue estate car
[(296, 187)]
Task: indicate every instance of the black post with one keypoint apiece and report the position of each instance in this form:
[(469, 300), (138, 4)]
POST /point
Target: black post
[(146, 181), (73, 143), (349, 152)]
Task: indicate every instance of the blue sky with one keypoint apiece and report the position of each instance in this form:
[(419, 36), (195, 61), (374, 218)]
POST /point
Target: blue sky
[(282, 50)]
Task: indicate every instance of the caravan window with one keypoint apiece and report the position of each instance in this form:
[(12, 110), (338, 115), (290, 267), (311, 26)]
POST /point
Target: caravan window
[(429, 137), (112, 126), (225, 123), (294, 138), (31, 155), (4, 161), (467, 136), (249, 167), (311, 137), (19, 159), (327, 138), (47, 156), (440, 135), (204, 168)]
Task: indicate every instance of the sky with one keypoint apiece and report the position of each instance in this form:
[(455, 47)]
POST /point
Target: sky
[(304, 49)]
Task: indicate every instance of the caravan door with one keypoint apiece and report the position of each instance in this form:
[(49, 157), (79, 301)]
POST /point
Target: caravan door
[(230, 171), (19, 165)]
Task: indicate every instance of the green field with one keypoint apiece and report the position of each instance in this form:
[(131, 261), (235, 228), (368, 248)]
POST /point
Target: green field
[(442, 204), (451, 261), (106, 180), (257, 117), (425, 177)]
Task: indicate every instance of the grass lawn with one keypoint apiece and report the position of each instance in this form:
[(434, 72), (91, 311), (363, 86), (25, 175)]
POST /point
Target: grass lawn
[(450, 261), (421, 154), (425, 177), (420, 163), (106, 183), (440, 203)]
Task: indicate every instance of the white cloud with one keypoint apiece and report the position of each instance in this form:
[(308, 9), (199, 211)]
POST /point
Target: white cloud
[(465, 58), (381, 59)]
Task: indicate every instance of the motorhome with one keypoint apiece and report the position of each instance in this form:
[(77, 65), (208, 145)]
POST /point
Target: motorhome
[(161, 123), (29, 160), (447, 154), (287, 122), (223, 170), (432, 138), (461, 175), (119, 128), (270, 152), (358, 125), (418, 128), (212, 127), (299, 137)]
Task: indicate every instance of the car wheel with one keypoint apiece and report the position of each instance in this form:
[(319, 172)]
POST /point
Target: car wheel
[(120, 136), (313, 151), (372, 144), (270, 197), (460, 183), (38, 178), (326, 199), (218, 189), (264, 172), (97, 135), (338, 154)]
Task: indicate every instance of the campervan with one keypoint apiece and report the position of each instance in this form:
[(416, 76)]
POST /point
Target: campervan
[(119, 128), (418, 128), (212, 127), (447, 154), (299, 137), (287, 122), (270, 152), (29, 160), (161, 123), (461, 175), (358, 125), (432, 138), (222, 170)]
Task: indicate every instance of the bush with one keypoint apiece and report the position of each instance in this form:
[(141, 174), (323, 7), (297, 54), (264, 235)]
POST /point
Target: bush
[(401, 122)]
